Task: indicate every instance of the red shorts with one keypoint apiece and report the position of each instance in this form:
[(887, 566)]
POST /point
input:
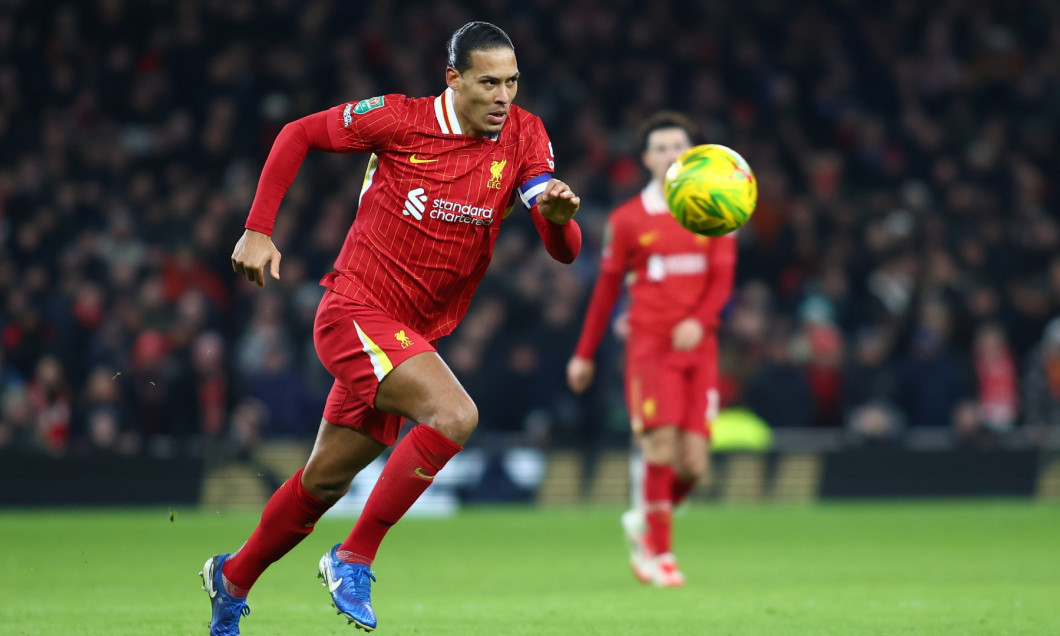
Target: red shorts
[(360, 345), (666, 387)]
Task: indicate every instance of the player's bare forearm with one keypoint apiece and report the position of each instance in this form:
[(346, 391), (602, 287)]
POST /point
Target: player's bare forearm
[(252, 253)]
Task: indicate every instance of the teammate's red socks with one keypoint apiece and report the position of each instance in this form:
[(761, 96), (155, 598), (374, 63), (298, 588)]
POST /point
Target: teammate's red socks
[(680, 489), (289, 517), (407, 473), (658, 511)]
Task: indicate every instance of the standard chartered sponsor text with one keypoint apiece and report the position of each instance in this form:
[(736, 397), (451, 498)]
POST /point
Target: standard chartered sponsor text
[(452, 212)]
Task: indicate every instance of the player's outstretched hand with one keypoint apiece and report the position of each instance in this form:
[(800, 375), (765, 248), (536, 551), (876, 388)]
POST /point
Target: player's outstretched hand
[(557, 202), (253, 252), (580, 373)]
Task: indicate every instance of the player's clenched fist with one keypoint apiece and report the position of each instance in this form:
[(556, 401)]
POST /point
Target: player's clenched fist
[(687, 334), (252, 253), (557, 202), (580, 372)]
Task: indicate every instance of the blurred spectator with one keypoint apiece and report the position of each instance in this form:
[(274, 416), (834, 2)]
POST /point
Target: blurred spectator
[(1041, 380), (868, 378), (154, 386), (105, 421), (824, 371), (16, 420), (277, 384), (778, 391), (997, 379), (249, 419), (971, 429), (874, 424), (50, 399), (10, 378), (933, 378), (211, 383)]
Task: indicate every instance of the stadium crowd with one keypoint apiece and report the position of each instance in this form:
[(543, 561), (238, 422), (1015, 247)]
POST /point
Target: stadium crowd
[(901, 270)]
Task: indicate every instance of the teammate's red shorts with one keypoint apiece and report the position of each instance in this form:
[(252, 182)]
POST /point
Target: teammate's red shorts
[(360, 345), (666, 387)]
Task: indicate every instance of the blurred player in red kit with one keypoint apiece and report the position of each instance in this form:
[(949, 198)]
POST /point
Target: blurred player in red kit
[(443, 173), (678, 283)]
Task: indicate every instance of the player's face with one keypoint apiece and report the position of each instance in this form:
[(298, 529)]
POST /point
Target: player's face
[(484, 92), (664, 146)]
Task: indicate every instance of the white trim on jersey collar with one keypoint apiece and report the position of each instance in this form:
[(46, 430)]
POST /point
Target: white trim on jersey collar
[(652, 199), (446, 115)]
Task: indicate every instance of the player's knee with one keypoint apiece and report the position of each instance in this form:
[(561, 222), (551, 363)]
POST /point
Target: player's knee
[(691, 468), (659, 449), (331, 494), (328, 489), (690, 473), (458, 421)]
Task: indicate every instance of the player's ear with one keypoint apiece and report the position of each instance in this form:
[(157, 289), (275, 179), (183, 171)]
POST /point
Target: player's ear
[(452, 78)]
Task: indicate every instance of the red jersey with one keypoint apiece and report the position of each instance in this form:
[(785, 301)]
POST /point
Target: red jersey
[(431, 205), (672, 273)]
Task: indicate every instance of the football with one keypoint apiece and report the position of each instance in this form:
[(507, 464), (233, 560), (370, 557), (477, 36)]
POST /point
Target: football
[(710, 190)]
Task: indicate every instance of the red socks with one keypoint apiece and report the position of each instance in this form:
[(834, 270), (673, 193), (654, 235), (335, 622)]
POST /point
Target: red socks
[(289, 517), (407, 473), (292, 511), (658, 485)]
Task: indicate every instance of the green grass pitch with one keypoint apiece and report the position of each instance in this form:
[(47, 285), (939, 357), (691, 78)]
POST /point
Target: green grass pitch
[(932, 568)]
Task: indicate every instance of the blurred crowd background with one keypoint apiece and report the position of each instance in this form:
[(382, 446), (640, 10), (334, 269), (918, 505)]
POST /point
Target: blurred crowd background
[(901, 272)]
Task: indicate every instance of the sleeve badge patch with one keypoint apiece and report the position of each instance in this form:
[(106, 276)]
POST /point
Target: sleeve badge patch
[(366, 105)]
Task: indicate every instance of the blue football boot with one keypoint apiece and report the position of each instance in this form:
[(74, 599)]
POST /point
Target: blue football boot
[(351, 589), (227, 609)]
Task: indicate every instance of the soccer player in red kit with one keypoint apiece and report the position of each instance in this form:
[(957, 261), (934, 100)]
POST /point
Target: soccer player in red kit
[(444, 172), (678, 283)]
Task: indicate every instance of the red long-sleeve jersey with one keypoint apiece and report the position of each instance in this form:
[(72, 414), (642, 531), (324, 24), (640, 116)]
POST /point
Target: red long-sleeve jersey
[(672, 273), (431, 204)]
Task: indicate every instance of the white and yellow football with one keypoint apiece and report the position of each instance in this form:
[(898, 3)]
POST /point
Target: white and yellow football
[(710, 190)]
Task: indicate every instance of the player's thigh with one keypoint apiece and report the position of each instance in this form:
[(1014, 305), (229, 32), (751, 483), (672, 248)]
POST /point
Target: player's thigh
[(425, 390)]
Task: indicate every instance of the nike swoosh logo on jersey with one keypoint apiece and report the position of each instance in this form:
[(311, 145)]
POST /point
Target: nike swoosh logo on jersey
[(422, 475), (415, 159)]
